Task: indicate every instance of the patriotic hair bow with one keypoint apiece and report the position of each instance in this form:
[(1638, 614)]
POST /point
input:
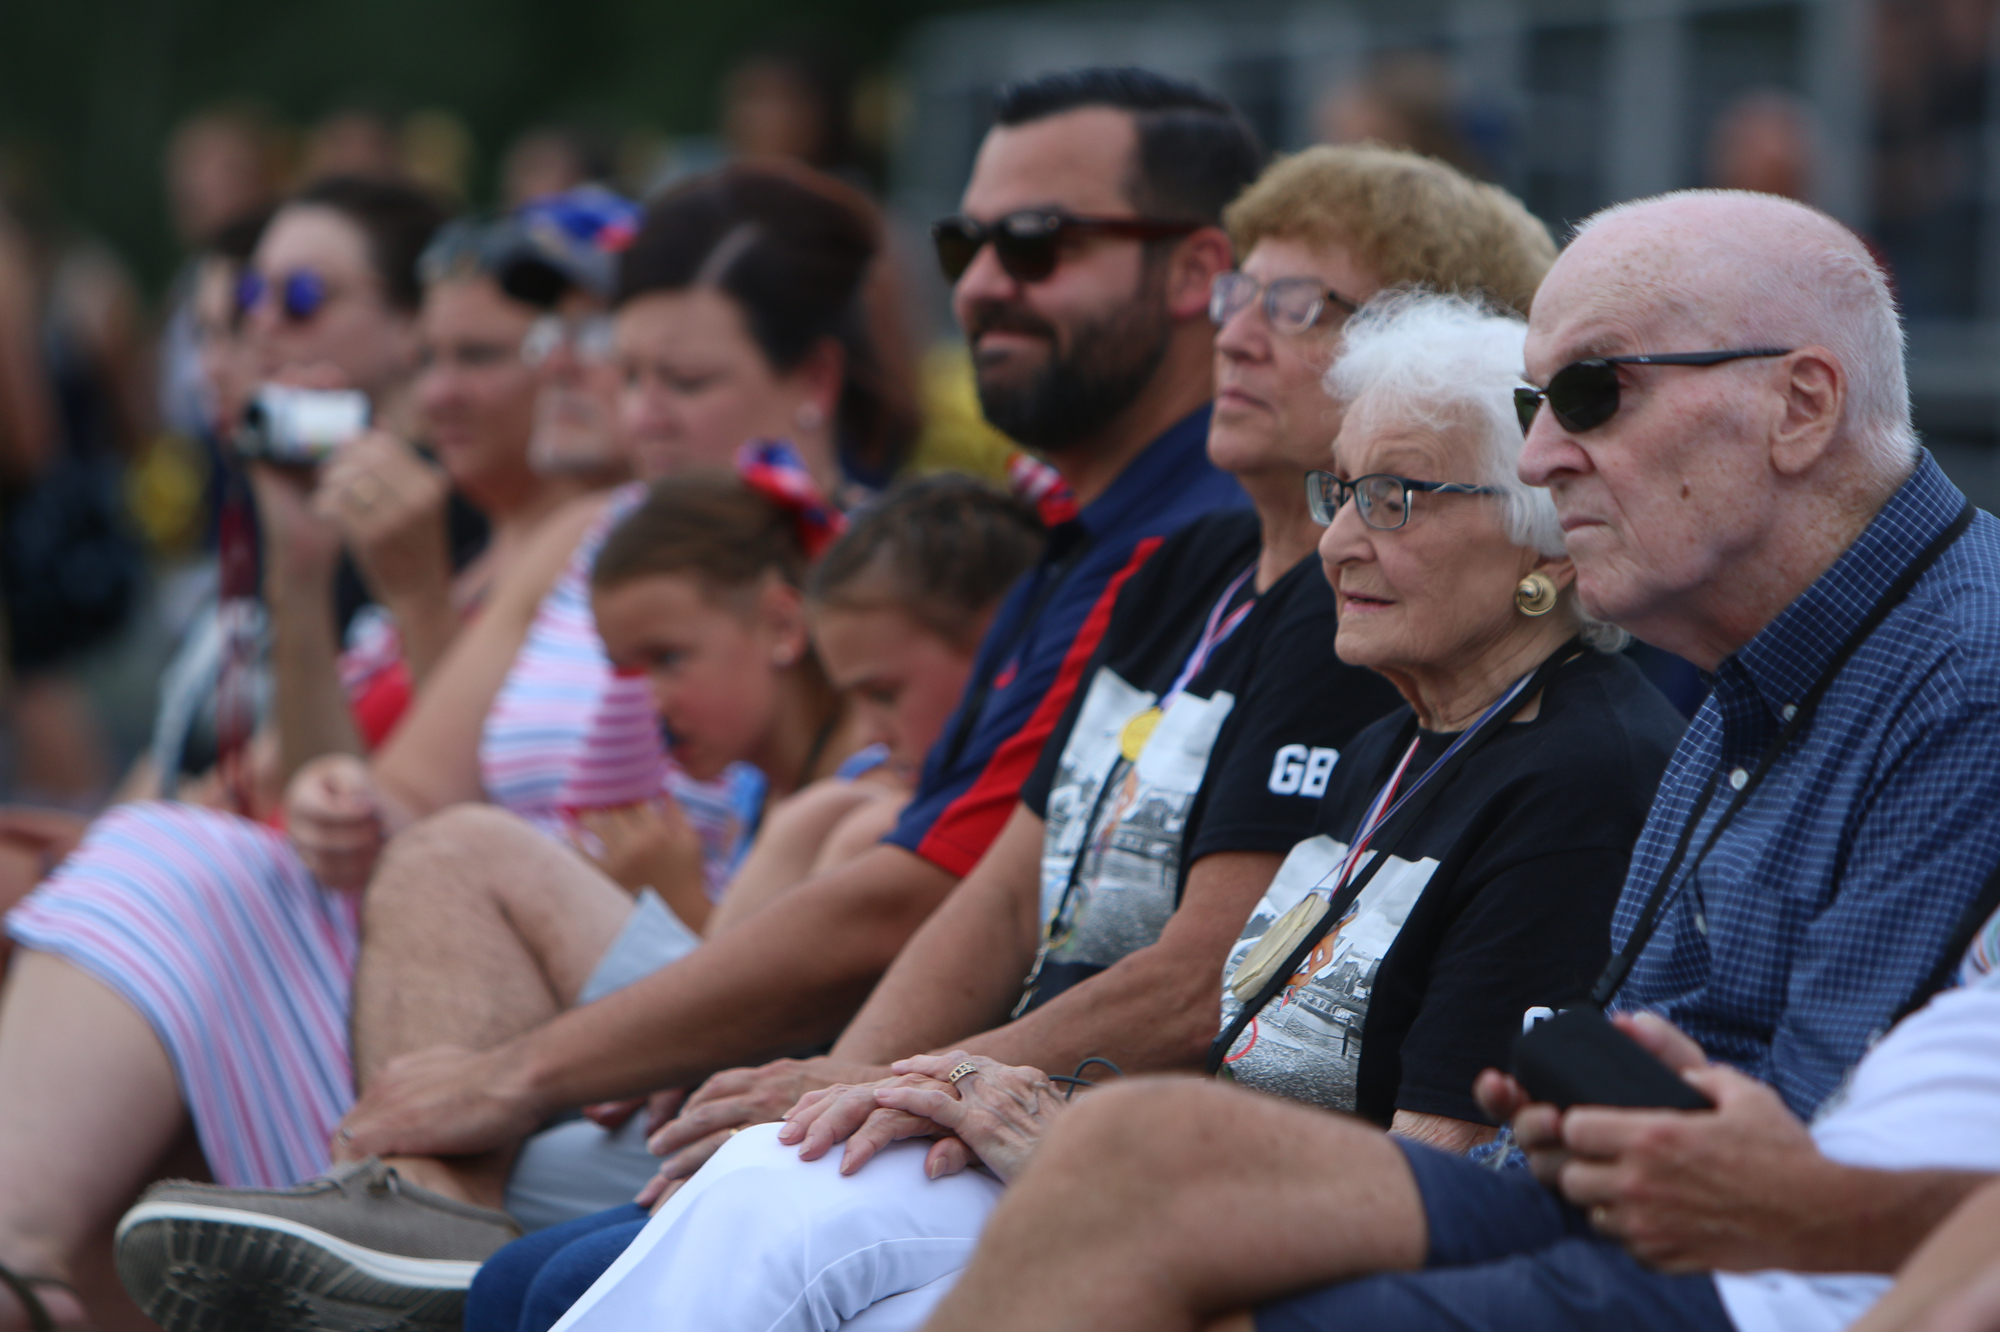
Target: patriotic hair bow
[(774, 470)]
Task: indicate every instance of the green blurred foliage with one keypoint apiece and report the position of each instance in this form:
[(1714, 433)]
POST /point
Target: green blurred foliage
[(90, 89)]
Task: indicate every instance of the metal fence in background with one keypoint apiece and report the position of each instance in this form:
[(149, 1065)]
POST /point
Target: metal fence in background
[(1575, 104)]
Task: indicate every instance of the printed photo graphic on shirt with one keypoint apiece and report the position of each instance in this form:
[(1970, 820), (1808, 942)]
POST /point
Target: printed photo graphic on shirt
[(1306, 1044), (1116, 824)]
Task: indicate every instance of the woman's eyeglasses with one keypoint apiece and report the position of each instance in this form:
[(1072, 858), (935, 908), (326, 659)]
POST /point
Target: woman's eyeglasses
[(1584, 394), (1384, 500), (301, 293), (1293, 305), (1028, 243)]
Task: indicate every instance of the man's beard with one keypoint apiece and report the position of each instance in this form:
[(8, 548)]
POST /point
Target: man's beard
[(1077, 393)]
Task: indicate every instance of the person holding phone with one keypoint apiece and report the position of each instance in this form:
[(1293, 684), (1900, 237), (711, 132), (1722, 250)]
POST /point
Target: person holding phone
[(1499, 805), (1718, 406)]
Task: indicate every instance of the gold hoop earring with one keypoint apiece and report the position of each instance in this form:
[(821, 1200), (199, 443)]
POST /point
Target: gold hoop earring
[(1536, 596)]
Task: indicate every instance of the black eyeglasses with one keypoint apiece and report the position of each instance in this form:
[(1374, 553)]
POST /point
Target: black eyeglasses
[(1584, 394), (1028, 243), (1384, 500), (301, 293), (1292, 304)]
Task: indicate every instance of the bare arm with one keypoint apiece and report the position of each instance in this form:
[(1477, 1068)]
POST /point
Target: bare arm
[(863, 826), (390, 506), (432, 760), (1954, 1276), (787, 847), (962, 971), (786, 977), (1156, 1009), (301, 551)]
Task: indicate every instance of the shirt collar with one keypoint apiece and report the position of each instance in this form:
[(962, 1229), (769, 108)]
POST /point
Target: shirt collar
[(1160, 472), (1789, 654)]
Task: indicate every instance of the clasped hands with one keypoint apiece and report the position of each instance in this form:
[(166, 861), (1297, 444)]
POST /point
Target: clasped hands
[(1729, 1188), (993, 1115)]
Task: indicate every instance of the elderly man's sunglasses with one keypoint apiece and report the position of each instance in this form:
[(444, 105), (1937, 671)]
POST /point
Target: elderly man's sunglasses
[(1384, 500), (1584, 394), (301, 293), (1028, 243)]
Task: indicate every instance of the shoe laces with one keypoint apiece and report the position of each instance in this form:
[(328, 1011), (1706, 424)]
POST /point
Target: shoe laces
[(388, 1182)]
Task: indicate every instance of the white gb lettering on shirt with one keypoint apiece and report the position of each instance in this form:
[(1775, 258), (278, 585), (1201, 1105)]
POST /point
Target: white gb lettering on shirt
[(1296, 770)]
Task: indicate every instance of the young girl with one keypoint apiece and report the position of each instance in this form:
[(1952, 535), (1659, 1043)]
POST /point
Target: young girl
[(703, 599), (699, 598), (897, 607)]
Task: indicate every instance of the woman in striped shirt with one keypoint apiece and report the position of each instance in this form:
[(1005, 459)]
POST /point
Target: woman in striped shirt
[(181, 966)]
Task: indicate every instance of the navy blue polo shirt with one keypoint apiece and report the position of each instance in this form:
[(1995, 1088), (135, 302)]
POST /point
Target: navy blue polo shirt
[(1033, 655), (1833, 893)]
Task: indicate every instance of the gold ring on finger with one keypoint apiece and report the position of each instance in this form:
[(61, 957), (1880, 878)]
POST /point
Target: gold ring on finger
[(959, 1072)]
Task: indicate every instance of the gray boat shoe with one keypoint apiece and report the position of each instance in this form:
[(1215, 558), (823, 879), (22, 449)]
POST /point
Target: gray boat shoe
[(358, 1250)]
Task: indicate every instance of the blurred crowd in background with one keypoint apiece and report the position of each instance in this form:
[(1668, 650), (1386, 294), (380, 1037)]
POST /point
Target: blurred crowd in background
[(110, 462)]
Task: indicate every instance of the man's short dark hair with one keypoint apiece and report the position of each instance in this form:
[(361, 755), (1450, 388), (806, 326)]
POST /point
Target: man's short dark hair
[(1196, 150)]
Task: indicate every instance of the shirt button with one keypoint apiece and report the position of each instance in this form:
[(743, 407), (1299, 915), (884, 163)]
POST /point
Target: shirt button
[(1738, 778), (1791, 711)]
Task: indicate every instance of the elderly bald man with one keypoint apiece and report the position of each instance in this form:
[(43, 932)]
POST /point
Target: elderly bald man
[(1723, 422)]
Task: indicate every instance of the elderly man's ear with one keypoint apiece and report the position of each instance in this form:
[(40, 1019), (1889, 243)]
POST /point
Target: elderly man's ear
[(1814, 390)]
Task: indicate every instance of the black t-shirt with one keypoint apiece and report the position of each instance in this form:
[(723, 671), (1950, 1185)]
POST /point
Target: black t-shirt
[(1236, 762), (1497, 900)]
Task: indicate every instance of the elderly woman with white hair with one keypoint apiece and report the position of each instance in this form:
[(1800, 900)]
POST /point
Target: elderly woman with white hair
[(1470, 848)]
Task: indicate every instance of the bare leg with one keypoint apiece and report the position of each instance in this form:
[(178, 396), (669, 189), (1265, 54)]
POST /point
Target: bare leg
[(477, 928), (88, 1105), (1159, 1204)]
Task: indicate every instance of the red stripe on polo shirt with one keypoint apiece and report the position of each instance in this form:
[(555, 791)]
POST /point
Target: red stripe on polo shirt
[(959, 835)]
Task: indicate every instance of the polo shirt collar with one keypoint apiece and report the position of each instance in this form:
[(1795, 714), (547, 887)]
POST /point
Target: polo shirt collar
[(1788, 655), (1157, 476)]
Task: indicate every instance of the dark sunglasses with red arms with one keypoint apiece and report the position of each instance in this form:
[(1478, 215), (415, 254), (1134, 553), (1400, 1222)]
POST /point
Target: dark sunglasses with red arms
[(1028, 243), (1584, 394)]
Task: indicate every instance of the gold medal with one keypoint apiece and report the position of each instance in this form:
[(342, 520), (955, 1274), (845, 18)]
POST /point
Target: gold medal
[(1137, 732), (1254, 972)]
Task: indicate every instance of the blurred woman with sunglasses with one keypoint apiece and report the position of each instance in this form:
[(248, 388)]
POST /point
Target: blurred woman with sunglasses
[(178, 883), (240, 1024)]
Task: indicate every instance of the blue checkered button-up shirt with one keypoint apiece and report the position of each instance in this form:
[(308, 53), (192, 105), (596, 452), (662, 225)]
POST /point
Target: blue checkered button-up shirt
[(1831, 895)]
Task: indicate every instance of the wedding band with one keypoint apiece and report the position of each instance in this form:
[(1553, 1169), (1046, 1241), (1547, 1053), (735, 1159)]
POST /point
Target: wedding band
[(959, 1072), (346, 1135)]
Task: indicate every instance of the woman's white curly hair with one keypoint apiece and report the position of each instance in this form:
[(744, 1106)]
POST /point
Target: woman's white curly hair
[(1449, 364)]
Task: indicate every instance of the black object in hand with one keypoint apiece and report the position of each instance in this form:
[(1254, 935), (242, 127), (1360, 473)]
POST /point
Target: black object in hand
[(1578, 1057)]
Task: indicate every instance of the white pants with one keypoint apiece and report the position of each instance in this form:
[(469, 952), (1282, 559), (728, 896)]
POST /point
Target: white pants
[(759, 1241)]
